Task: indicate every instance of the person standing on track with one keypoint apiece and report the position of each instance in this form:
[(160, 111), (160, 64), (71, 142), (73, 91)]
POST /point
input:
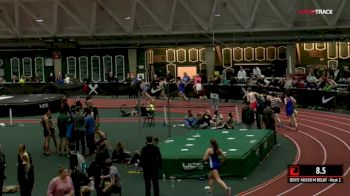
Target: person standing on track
[(276, 104), (289, 103), (212, 155)]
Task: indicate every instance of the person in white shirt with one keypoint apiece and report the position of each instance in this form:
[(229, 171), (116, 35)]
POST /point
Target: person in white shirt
[(241, 75), (257, 71), (67, 79)]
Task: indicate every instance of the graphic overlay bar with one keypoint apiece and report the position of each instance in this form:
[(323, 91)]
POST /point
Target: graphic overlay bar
[(315, 173)]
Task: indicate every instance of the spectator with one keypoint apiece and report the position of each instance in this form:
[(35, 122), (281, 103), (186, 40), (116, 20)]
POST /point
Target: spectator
[(113, 178), (257, 71), (14, 79), (151, 162), (61, 185), (26, 175), (62, 121), (190, 119), (90, 127), (241, 75), (228, 124), (247, 117), (217, 119), (67, 79), (51, 78), (197, 79), (311, 81), (269, 122), (120, 154)]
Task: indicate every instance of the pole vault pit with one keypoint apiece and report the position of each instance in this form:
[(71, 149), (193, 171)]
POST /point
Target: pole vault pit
[(183, 155), (29, 105)]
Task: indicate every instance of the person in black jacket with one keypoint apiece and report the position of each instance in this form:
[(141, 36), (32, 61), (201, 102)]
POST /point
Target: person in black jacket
[(2, 168), (26, 176), (151, 162)]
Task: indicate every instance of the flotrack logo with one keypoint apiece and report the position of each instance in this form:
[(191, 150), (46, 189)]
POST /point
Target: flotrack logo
[(315, 12)]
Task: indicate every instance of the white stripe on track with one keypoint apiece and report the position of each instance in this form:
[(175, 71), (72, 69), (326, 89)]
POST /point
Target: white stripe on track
[(323, 162), (332, 135), (260, 186)]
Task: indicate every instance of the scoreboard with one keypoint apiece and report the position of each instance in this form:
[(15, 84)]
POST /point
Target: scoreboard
[(315, 173)]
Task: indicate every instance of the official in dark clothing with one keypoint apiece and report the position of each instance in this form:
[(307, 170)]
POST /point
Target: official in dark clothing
[(151, 162)]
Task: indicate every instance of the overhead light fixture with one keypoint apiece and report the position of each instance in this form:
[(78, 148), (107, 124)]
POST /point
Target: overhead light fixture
[(39, 20), (127, 18), (217, 14)]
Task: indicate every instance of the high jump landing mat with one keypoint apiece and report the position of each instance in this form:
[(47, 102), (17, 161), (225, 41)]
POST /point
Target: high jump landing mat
[(245, 149)]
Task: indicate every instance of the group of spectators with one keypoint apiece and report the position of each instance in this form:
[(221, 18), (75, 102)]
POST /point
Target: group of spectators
[(203, 120)]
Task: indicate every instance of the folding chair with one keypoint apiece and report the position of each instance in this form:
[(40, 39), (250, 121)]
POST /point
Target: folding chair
[(149, 119)]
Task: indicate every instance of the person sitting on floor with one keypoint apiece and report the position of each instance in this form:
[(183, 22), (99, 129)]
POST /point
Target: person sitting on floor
[(120, 154), (190, 119), (135, 160), (204, 121), (228, 124), (217, 119), (124, 110)]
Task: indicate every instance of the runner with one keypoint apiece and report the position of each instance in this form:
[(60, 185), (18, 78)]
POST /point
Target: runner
[(289, 102)]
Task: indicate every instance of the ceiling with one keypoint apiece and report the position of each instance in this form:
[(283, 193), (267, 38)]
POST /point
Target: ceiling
[(170, 21)]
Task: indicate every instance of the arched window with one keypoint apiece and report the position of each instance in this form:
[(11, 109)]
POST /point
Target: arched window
[(27, 67), (181, 55), (95, 69), (107, 66), (15, 67), (271, 53), (170, 55), (83, 68), (149, 56), (282, 53), (248, 54), (193, 55), (238, 54), (260, 54), (72, 66), (171, 68), (39, 67), (344, 50), (227, 57), (202, 55), (202, 66), (120, 67), (309, 46)]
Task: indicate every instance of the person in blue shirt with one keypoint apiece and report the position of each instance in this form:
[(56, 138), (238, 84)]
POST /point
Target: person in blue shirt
[(90, 131), (212, 156)]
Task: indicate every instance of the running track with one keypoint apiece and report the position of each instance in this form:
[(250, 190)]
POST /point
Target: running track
[(323, 138)]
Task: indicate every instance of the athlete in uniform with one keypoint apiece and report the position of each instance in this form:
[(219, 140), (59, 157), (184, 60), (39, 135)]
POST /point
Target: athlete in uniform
[(212, 155)]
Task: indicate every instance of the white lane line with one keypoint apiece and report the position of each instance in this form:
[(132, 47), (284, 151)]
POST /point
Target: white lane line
[(332, 135), (260, 186), (323, 162)]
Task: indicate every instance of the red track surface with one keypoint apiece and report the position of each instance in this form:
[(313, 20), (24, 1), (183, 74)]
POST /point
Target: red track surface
[(323, 138)]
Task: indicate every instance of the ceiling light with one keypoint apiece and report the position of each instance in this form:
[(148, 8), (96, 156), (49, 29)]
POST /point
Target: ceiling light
[(39, 20), (127, 18), (217, 14)]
